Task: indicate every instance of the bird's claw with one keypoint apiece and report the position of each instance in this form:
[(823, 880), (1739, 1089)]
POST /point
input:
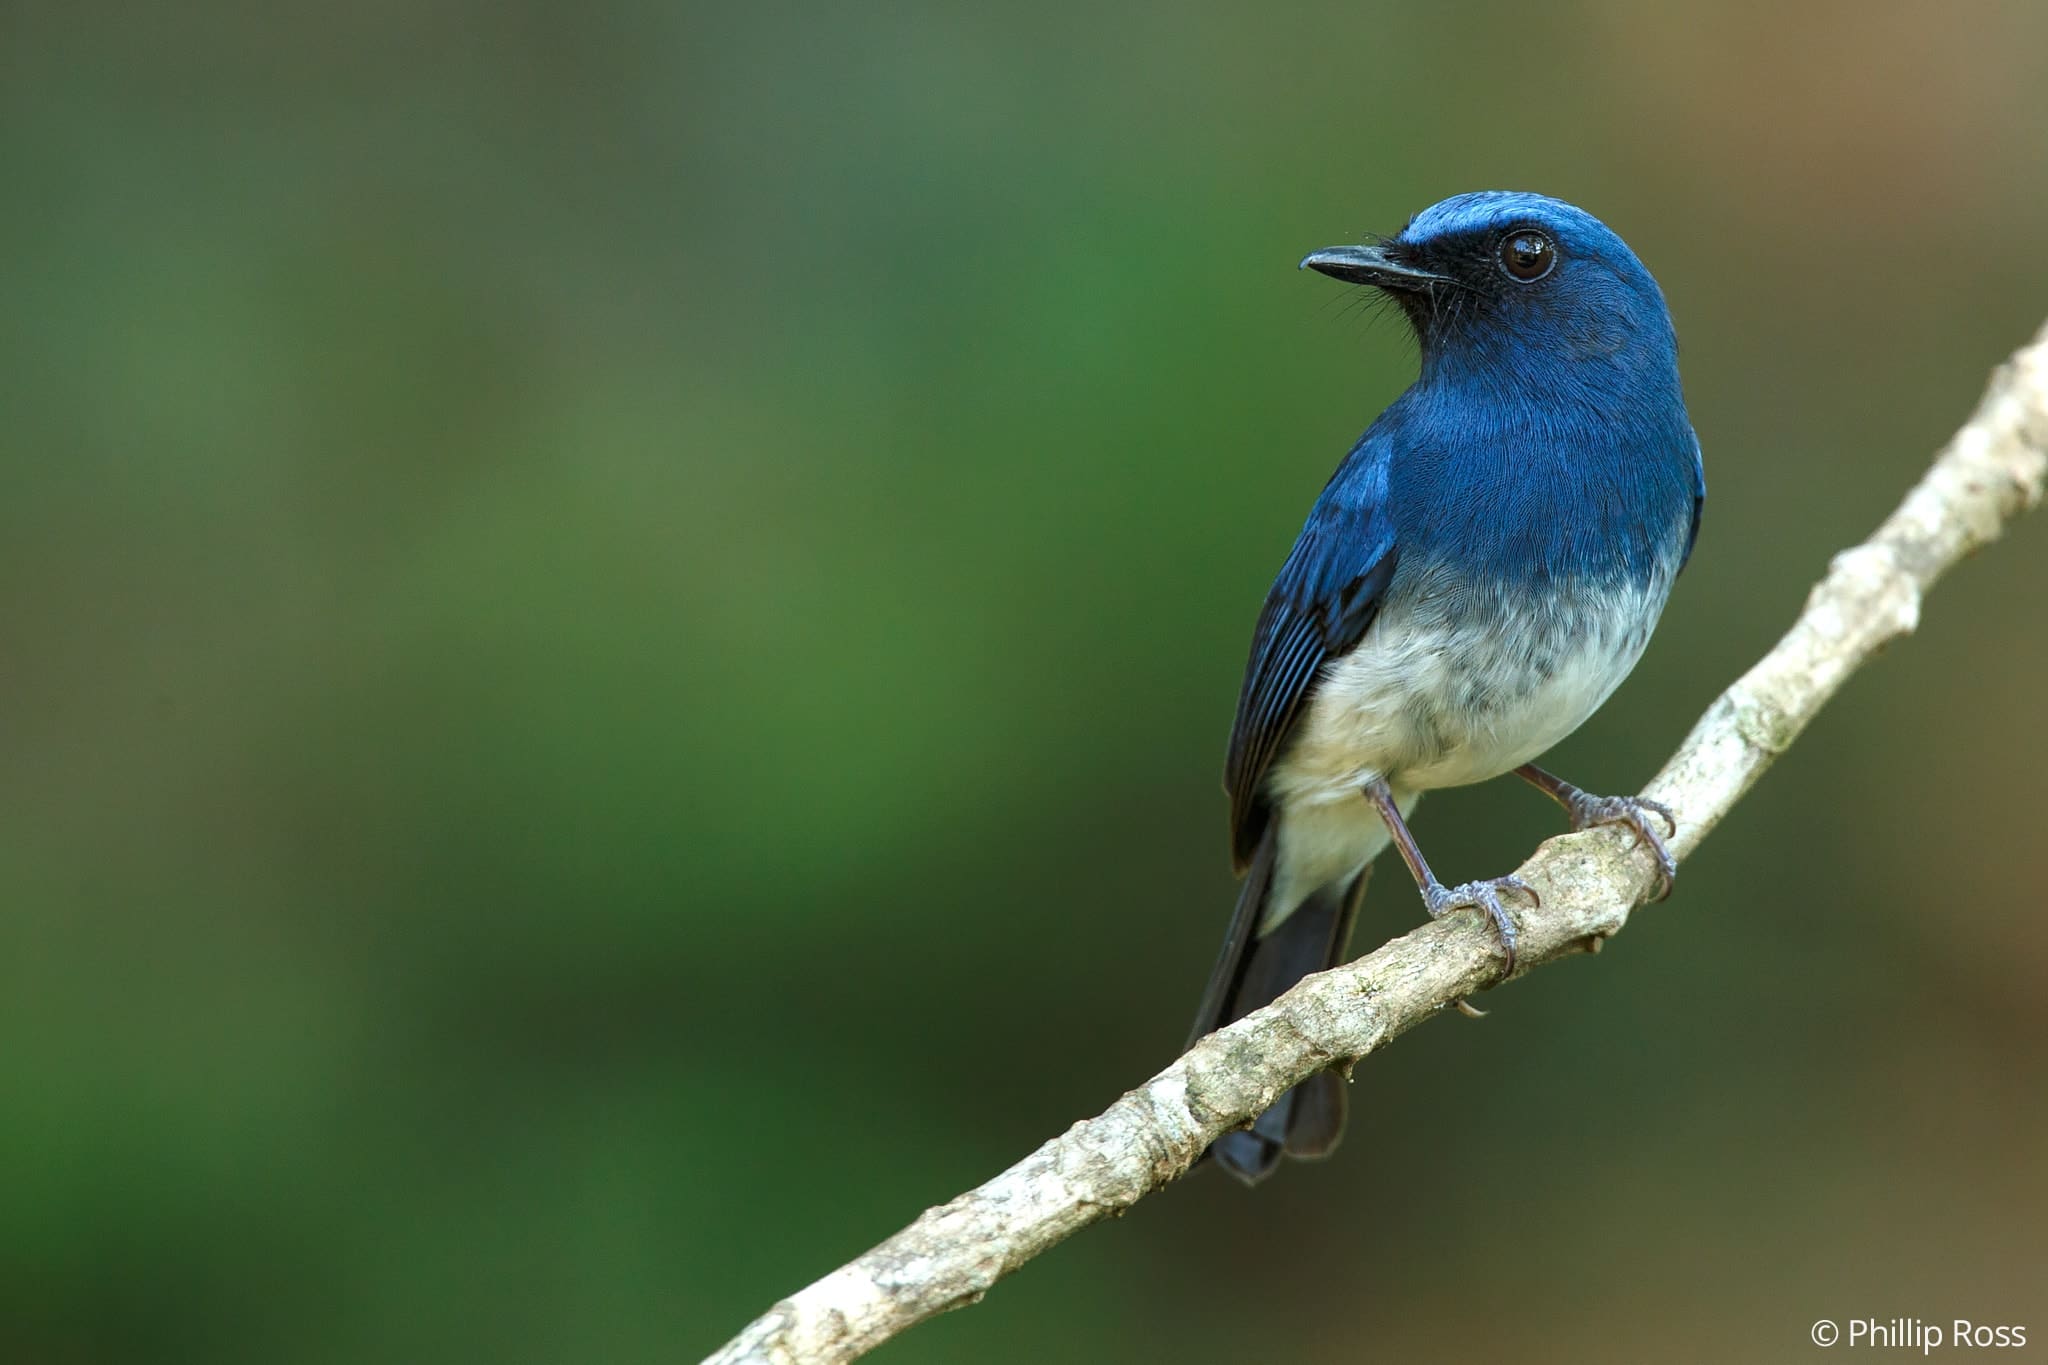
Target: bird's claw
[(1437, 899), (1587, 811)]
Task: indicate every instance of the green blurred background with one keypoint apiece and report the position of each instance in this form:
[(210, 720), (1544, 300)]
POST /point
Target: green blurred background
[(619, 625)]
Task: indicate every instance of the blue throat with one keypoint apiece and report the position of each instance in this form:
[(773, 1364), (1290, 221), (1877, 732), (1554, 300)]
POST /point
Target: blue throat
[(1524, 469)]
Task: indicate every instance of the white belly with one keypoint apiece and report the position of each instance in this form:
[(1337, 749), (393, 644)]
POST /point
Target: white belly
[(1442, 691)]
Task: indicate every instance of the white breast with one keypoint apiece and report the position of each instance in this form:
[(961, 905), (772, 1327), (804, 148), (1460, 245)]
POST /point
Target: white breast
[(1449, 686)]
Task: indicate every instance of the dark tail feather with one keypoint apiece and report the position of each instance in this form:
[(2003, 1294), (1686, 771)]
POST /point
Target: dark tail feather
[(1252, 971)]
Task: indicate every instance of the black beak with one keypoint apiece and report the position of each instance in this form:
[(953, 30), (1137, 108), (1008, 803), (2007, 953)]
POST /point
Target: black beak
[(1370, 265)]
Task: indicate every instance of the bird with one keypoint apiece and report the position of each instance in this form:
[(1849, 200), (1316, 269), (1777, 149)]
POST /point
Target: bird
[(1481, 572)]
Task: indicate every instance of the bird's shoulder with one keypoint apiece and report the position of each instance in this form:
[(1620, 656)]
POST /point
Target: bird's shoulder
[(1699, 498)]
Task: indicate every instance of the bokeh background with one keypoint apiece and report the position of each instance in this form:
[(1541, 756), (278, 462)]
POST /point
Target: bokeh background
[(619, 623)]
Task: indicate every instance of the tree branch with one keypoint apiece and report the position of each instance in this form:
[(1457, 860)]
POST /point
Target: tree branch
[(1991, 470)]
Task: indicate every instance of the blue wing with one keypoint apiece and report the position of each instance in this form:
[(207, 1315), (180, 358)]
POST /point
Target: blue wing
[(1327, 593)]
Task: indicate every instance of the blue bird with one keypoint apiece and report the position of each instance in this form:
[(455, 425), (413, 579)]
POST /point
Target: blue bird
[(1483, 569)]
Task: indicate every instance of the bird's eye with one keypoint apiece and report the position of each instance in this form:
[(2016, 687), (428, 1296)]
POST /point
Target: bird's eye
[(1527, 255)]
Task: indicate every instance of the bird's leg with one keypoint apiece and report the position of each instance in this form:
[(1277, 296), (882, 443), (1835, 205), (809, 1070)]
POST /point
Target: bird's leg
[(1436, 897), (1587, 810)]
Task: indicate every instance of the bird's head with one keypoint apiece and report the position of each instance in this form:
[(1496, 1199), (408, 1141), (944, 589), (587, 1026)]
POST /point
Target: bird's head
[(1502, 278)]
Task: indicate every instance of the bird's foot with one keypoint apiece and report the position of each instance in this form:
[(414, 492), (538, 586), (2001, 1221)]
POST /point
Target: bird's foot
[(1588, 810), (1438, 898)]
